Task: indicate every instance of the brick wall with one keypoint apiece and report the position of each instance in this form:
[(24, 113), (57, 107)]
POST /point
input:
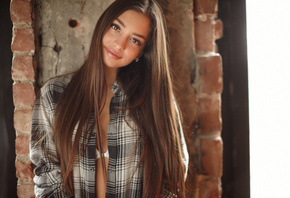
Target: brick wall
[(23, 75), (209, 84), (201, 94)]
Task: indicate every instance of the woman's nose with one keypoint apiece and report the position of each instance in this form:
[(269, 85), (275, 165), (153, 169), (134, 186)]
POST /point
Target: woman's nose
[(121, 43)]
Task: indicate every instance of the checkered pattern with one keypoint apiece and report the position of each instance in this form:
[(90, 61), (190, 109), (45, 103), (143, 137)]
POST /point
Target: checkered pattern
[(125, 178)]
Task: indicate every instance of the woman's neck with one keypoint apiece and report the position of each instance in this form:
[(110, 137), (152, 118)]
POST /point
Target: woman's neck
[(111, 76)]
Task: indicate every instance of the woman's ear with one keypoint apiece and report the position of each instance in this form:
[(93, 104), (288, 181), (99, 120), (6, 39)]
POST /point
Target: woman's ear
[(138, 57)]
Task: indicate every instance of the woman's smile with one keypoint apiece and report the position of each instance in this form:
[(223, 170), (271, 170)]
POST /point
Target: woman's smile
[(113, 54)]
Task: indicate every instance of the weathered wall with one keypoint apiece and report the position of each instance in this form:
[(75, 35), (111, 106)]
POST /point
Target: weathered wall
[(63, 30), (62, 35)]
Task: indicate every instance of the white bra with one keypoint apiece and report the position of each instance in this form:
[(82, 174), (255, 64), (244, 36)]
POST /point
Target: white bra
[(106, 154)]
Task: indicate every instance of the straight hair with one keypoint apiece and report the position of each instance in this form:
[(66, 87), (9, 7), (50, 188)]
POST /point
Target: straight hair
[(150, 102)]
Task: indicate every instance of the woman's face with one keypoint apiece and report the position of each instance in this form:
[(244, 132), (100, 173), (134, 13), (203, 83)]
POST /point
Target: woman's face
[(125, 38)]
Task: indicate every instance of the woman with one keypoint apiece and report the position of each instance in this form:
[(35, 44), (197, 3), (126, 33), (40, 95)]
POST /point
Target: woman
[(112, 128)]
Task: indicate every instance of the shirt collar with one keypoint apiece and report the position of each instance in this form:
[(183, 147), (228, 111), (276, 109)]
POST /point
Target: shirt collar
[(116, 88)]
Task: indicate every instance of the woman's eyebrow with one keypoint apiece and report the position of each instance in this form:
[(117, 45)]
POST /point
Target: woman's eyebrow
[(139, 35), (121, 22), (136, 34)]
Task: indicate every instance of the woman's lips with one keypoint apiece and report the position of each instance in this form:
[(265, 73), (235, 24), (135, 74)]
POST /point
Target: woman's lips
[(112, 54)]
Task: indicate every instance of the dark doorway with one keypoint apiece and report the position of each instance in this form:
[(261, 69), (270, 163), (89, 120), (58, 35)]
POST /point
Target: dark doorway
[(235, 133)]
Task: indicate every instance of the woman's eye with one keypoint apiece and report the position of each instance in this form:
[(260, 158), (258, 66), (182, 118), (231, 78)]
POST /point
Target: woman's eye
[(135, 41), (115, 27)]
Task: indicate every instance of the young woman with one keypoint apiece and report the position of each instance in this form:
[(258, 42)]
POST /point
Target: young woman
[(112, 128)]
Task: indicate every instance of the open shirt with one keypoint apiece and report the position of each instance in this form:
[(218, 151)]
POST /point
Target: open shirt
[(124, 176)]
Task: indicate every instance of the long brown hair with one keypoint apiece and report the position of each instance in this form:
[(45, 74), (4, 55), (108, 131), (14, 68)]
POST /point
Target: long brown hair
[(150, 101)]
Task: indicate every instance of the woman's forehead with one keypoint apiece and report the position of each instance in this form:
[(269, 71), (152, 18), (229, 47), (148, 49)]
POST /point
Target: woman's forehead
[(135, 21)]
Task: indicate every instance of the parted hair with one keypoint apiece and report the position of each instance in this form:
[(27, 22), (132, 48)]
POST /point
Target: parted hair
[(149, 100)]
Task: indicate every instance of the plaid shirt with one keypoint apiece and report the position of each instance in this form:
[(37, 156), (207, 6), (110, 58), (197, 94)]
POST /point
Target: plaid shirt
[(125, 177)]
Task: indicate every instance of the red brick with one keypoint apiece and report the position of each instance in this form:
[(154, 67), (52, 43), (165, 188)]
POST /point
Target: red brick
[(212, 157), (23, 94), (204, 35), (24, 171), (22, 120), (22, 68), (209, 115), (210, 188), (22, 144), (211, 75), (205, 7), (23, 40), (20, 11), (218, 29), (25, 191)]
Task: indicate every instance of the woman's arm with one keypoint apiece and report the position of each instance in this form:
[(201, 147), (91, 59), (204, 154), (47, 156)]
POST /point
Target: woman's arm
[(47, 179)]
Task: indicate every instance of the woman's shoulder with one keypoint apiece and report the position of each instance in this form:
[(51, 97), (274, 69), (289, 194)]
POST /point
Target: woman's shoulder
[(61, 80), (54, 87), (58, 82)]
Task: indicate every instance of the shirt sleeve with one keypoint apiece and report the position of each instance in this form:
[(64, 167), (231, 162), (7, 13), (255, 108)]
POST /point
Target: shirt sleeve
[(185, 155), (184, 152), (47, 179)]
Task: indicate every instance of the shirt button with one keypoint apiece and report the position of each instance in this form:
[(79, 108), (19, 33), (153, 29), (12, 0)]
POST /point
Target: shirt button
[(91, 169)]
